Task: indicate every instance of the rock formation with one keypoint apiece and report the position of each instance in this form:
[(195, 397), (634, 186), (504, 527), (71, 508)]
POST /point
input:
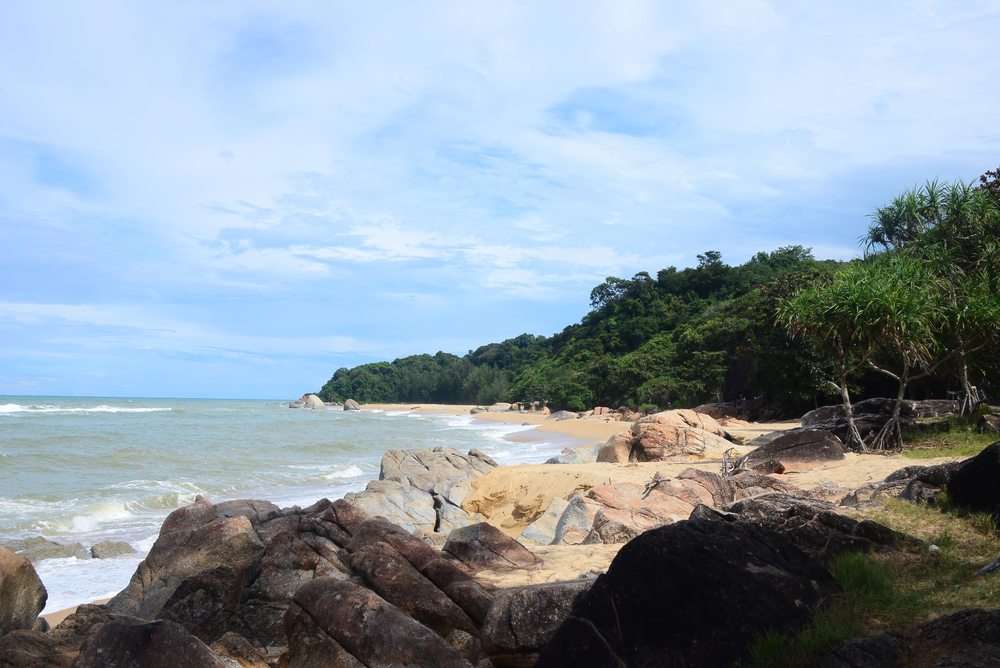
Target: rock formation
[(22, 595)]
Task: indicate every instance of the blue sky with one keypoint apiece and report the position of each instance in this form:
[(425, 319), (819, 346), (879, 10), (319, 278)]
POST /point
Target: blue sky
[(235, 198)]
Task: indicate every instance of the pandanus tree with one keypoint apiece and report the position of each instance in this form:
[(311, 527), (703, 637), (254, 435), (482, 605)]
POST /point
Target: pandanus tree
[(955, 231), (881, 305)]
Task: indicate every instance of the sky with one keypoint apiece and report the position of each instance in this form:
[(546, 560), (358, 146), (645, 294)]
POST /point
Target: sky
[(233, 198)]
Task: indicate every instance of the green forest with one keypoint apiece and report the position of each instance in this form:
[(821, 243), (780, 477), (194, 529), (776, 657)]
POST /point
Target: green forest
[(916, 316)]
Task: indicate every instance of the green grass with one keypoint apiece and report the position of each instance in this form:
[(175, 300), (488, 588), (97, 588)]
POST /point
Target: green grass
[(960, 441), (899, 590)]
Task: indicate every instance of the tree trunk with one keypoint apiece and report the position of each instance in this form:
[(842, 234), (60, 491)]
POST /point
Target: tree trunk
[(854, 440), (890, 436)]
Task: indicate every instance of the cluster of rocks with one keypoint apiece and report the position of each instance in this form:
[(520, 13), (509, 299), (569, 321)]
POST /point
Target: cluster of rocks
[(343, 583), (314, 402), (37, 548), (423, 490), (604, 413)]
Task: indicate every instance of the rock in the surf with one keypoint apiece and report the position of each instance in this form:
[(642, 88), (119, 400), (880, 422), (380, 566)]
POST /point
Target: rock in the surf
[(351, 405), (22, 595), (314, 402), (110, 549), (38, 548)]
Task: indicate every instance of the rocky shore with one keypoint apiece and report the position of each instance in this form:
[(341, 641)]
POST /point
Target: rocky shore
[(674, 542)]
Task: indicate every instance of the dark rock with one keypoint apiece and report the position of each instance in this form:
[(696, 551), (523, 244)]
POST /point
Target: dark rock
[(918, 491), (966, 639), (118, 644), (748, 484), (398, 582), (207, 603), (522, 619), (976, 483), (234, 648), (703, 512), (111, 549), (989, 424), (459, 587), (364, 625), (485, 546), (813, 526), (22, 595), (799, 449), (930, 408), (736, 580), (885, 650), (905, 473), (192, 539)]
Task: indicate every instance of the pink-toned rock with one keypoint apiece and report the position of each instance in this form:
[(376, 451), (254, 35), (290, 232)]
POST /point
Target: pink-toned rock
[(683, 417), (617, 449), (601, 410), (657, 441), (545, 410), (733, 422), (628, 509), (632, 417), (484, 546), (364, 625)]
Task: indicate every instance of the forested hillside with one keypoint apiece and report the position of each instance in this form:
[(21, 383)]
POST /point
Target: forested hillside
[(717, 332)]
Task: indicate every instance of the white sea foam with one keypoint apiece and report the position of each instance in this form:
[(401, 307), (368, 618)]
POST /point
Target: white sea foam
[(74, 581), (349, 472), (48, 408)]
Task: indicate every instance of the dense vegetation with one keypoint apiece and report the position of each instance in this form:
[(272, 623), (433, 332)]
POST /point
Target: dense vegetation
[(779, 326)]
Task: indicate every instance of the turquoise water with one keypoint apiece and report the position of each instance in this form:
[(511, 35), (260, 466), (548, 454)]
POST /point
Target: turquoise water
[(92, 469)]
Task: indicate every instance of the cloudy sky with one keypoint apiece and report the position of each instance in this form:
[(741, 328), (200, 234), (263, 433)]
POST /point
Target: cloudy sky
[(235, 198)]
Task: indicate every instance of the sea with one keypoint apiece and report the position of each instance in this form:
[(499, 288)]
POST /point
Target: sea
[(86, 470)]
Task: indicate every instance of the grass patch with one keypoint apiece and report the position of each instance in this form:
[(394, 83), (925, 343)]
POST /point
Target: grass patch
[(900, 590), (961, 440)]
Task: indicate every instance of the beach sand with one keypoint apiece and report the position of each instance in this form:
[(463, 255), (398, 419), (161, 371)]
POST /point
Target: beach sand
[(53, 618)]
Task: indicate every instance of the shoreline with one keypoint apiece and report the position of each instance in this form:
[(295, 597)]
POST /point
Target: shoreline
[(511, 493)]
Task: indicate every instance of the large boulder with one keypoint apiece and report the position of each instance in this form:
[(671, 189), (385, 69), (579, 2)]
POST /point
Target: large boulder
[(627, 509), (691, 594), (159, 644), (483, 546), (616, 449), (522, 619), (563, 415), (658, 442), (575, 522), (351, 405), (396, 580), (425, 468), (312, 401), (192, 539), (401, 503), (797, 450), (59, 647), (686, 418), (22, 595), (362, 624), (976, 483)]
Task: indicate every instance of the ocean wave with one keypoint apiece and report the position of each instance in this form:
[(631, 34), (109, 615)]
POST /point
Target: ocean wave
[(349, 472), (48, 408)]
